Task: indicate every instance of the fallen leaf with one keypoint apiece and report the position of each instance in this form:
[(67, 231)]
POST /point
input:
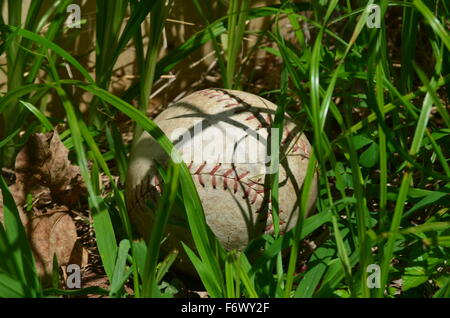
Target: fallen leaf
[(46, 183), (44, 162), (52, 234), (80, 255)]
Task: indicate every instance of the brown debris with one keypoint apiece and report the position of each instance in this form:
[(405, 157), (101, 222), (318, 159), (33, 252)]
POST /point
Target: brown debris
[(52, 234), (44, 162), (46, 186)]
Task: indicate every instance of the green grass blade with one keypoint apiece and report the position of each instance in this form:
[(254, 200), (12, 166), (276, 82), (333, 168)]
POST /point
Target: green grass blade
[(20, 92), (12, 288), (406, 181), (230, 275), (51, 46), (102, 222), (162, 214), (18, 247), (147, 74), (165, 265), (317, 267), (39, 115), (433, 22), (120, 276), (205, 274), (246, 281)]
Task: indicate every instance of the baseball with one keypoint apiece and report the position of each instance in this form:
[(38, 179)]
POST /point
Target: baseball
[(224, 137)]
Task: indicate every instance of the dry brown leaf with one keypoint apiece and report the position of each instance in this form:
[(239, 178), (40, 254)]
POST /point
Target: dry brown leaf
[(43, 170), (80, 255), (52, 234), (44, 162)]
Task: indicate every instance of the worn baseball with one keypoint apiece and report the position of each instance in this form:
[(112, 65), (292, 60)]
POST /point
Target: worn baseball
[(225, 138)]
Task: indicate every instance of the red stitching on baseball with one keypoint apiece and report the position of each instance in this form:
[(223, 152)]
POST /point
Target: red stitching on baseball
[(246, 193), (236, 183), (305, 147), (200, 180), (267, 122), (223, 99), (228, 172), (199, 170), (213, 174), (270, 226), (214, 96), (214, 170), (254, 198), (213, 181), (228, 175), (287, 135), (270, 218), (242, 175), (208, 92), (232, 105), (157, 184)]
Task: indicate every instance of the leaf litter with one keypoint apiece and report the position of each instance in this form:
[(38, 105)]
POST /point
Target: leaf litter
[(47, 188)]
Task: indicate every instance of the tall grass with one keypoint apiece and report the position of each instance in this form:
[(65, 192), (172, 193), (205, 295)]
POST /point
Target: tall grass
[(377, 115)]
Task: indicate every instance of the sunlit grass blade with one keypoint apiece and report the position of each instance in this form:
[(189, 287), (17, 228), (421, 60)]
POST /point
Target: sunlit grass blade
[(434, 22), (117, 146), (162, 214), (51, 46), (242, 273), (207, 279), (298, 229), (237, 16), (10, 287), (406, 181), (55, 14), (120, 275), (36, 112), (15, 245), (165, 265), (318, 265), (147, 74), (230, 275), (102, 222), (138, 14)]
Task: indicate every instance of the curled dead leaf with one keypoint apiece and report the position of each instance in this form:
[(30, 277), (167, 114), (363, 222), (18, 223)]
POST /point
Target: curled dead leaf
[(44, 163)]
